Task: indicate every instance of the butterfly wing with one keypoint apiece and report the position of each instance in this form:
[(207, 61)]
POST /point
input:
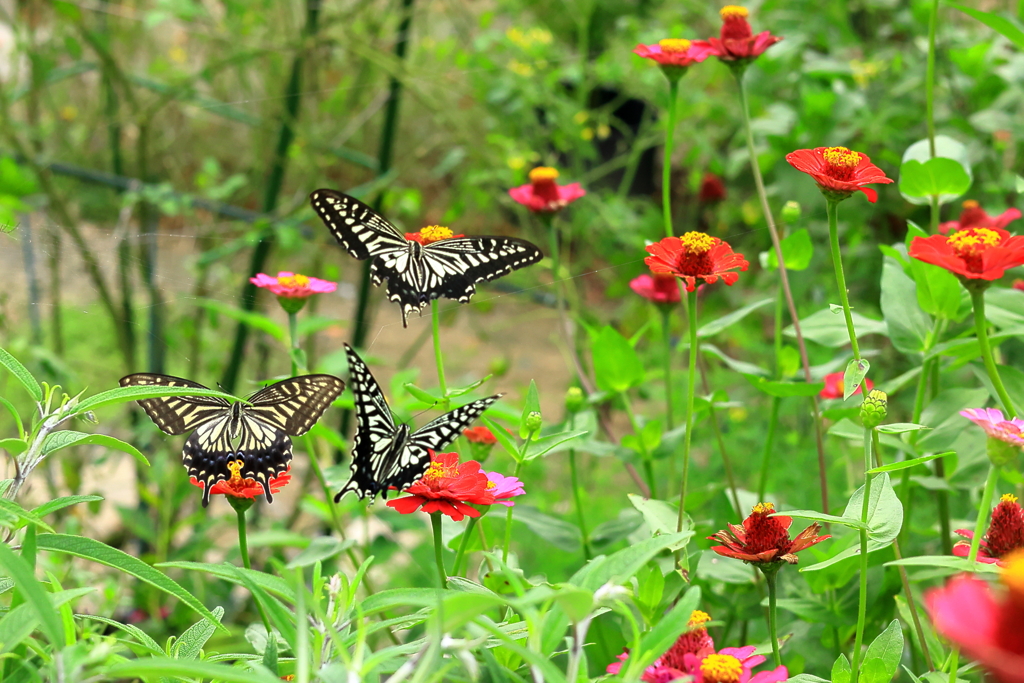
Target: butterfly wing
[(363, 232), (207, 453), (437, 434), (295, 405), (176, 414)]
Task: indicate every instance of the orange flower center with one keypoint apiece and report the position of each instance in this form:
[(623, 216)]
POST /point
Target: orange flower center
[(438, 470), (841, 162), (236, 472), (733, 11), (435, 233), (293, 281), (543, 173), (970, 204), (973, 242), (695, 243), (764, 508), (698, 618), (674, 45), (721, 669), (1008, 498)]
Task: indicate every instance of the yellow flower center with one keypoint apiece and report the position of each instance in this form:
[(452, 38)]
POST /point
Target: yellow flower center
[(698, 618), (697, 242), (1008, 498), (1013, 573), (764, 508), (438, 470), (731, 11), (236, 472), (721, 669), (841, 157), (542, 173), (436, 233), (970, 204), (973, 240), (293, 281), (674, 45)]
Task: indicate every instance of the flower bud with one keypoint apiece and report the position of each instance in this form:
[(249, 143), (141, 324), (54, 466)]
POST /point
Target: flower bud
[(791, 211), (873, 409), (533, 421), (1001, 453), (574, 399)]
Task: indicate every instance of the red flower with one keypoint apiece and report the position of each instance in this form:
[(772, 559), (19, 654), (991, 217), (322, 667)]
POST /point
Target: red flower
[(1018, 285), (737, 42), (695, 255), (658, 288), (834, 386), (1005, 533), (543, 194), (764, 539), (973, 216), (673, 52), (983, 623), (448, 487), (431, 234), (237, 487), (838, 171), (671, 665), (712, 189), (480, 435), (971, 253), (293, 285)]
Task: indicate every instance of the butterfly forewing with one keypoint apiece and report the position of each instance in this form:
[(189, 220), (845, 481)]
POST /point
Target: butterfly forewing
[(295, 405), (175, 414), (361, 230)]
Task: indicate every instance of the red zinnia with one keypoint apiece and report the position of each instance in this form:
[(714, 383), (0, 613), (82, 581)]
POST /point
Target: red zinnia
[(984, 623), (712, 189), (480, 435), (764, 539), (1018, 285), (737, 41), (657, 288), (695, 255), (839, 171), (448, 487), (695, 641), (431, 234), (972, 253), (677, 52), (236, 487), (973, 216), (1005, 533), (834, 386), (543, 194)]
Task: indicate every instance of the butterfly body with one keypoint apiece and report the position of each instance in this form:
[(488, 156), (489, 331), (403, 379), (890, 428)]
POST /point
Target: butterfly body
[(251, 439), (418, 273), (386, 455)]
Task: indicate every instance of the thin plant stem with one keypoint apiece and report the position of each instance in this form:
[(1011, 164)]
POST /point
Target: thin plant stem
[(293, 332), (435, 525), (832, 207), (862, 602), (435, 328), (981, 330), (691, 381), (243, 548), (954, 664), (983, 509), (666, 318), (770, 576), (769, 442), (647, 463), (463, 544), (508, 514), (666, 171), (577, 498), (730, 476), (929, 82)]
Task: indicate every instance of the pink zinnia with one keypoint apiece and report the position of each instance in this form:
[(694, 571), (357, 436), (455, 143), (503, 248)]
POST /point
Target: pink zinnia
[(991, 420), (732, 665), (293, 285), (669, 667), (973, 216), (504, 488), (543, 194), (658, 288), (834, 386), (677, 52)]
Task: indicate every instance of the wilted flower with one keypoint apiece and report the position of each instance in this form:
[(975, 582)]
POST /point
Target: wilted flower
[(449, 487), (737, 42), (237, 487), (670, 666), (695, 255), (431, 234), (834, 386), (543, 194), (973, 216), (764, 539), (971, 254), (658, 288), (1005, 533), (838, 171), (503, 488)]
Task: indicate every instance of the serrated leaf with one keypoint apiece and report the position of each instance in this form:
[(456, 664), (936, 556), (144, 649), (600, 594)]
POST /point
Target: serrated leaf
[(191, 642), (22, 374)]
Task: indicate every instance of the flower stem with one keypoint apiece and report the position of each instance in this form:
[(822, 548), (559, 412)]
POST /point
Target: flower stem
[(981, 330), (766, 457), (929, 85), (293, 333), (647, 463), (435, 525), (691, 379), (666, 328), (435, 327), (862, 603), (581, 519), (983, 510), (666, 171), (243, 548), (954, 664), (832, 206), (463, 545), (508, 514), (770, 575)]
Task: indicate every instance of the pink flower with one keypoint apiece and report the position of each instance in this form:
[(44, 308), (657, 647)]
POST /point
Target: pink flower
[(504, 488), (732, 665), (673, 52), (834, 386), (658, 288), (543, 194), (973, 216), (991, 420), (669, 667), (293, 285), (1004, 536)]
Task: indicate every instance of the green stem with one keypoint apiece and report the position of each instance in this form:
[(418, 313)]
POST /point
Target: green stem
[(691, 379), (293, 332), (666, 317), (766, 457), (243, 548), (435, 327), (508, 514), (933, 220), (647, 464), (862, 603), (580, 517), (770, 576), (832, 206), (435, 524), (983, 510), (981, 329), (456, 571), (954, 664), (929, 83), (666, 171)]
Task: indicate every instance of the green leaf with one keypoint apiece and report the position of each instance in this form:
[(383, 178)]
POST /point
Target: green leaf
[(12, 508), (1001, 25), (900, 428), (14, 414), (715, 326), (255, 320), (950, 564), (617, 367), (622, 565), (882, 658), (35, 596), (14, 446), (268, 582), (90, 549), (938, 290), (20, 621), (655, 642), (22, 374), (67, 438), (797, 250), (841, 670), (785, 389), (401, 597), (532, 405), (661, 516), (905, 464), (134, 631), (909, 327), (421, 394), (936, 177), (739, 366), (945, 147), (546, 444), (822, 517), (321, 548), (505, 440), (460, 391), (885, 517), (279, 617), (829, 329), (191, 642), (155, 668), (63, 502), (558, 533), (129, 394), (854, 375)]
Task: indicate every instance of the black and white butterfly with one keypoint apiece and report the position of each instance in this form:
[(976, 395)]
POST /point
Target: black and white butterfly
[(417, 273), (386, 455), (251, 439)]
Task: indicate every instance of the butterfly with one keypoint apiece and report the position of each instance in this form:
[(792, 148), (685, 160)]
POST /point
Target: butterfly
[(386, 455), (234, 438), (418, 273)]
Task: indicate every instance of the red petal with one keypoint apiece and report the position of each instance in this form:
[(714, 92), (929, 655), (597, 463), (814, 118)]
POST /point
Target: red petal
[(870, 194)]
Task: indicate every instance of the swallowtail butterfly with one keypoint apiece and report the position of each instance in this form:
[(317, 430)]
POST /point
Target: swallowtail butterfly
[(417, 273), (224, 433), (385, 454)]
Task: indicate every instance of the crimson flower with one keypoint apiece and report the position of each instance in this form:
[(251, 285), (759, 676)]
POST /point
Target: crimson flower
[(1018, 284), (971, 253), (543, 194), (480, 435), (503, 488), (838, 171), (293, 285), (973, 216), (985, 622), (834, 386), (431, 234), (671, 665), (673, 52), (448, 487), (695, 255), (236, 487), (764, 539), (1005, 533), (712, 189), (737, 42), (658, 288)]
